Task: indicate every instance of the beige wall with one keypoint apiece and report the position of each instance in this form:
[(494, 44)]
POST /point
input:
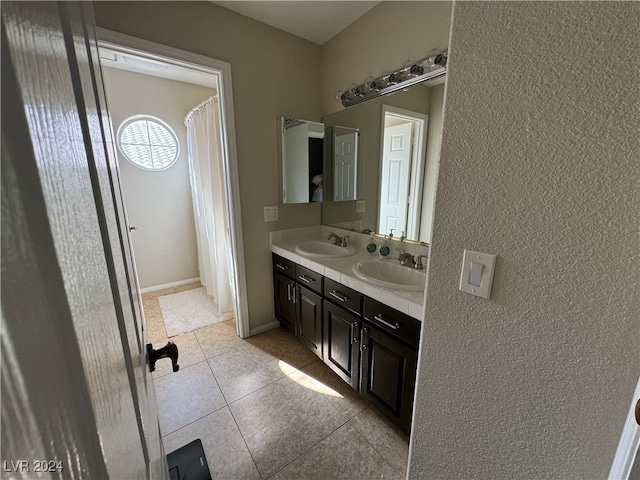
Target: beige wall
[(158, 203), (385, 38), (274, 74), (539, 166)]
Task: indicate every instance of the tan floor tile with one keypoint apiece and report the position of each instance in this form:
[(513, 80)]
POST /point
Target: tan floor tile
[(385, 437), (282, 421), (227, 454), (186, 396), (281, 343), (343, 455), (340, 394), (245, 370), (219, 338)]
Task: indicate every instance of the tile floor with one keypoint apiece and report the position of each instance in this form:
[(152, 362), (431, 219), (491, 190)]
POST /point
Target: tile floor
[(267, 408)]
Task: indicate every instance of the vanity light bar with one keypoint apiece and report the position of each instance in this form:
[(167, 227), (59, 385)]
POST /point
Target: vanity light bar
[(418, 72)]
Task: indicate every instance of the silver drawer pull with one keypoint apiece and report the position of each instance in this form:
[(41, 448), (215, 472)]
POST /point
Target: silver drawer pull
[(340, 296), (282, 267), (306, 279), (379, 317)]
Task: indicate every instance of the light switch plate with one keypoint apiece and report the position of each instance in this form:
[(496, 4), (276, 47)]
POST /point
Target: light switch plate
[(476, 276), (360, 206), (271, 213)]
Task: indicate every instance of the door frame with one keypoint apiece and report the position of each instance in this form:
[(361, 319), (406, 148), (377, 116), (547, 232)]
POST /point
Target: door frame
[(418, 158), (629, 443), (222, 71)]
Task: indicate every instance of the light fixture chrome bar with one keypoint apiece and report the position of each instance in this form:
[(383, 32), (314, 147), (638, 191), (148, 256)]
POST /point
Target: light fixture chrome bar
[(418, 72)]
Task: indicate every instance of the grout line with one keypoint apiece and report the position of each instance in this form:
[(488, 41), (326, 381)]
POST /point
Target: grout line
[(245, 442), (372, 408)]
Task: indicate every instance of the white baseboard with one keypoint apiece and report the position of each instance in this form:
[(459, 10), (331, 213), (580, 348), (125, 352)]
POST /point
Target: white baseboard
[(169, 285), (265, 328)]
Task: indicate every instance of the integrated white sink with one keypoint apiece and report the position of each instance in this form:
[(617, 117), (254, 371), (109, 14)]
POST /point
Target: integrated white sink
[(390, 274), (317, 248)]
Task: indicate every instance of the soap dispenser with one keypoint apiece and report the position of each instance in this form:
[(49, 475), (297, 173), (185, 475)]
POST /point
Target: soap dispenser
[(372, 246), (384, 248)]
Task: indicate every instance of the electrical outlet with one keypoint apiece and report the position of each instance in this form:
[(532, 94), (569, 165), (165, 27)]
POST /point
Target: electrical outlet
[(360, 206)]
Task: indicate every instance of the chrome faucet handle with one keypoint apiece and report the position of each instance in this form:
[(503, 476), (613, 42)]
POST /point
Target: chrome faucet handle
[(400, 250), (333, 237), (405, 258), (343, 241), (418, 262)]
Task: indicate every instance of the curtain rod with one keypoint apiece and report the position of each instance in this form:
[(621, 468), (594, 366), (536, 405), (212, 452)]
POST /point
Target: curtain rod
[(204, 103)]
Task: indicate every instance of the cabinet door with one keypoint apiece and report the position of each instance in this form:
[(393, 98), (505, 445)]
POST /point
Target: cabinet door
[(388, 375), (309, 320), (284, 297), (342, 343)]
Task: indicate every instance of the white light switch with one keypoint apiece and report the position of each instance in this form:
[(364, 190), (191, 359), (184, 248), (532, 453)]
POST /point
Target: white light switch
[(475, 274), (271, 213), (476, 277)]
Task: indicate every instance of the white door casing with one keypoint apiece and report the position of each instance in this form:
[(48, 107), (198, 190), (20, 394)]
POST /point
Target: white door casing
[(222, 71)]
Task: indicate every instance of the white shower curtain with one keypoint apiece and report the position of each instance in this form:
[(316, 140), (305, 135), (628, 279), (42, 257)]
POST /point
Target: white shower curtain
[(209, 202)]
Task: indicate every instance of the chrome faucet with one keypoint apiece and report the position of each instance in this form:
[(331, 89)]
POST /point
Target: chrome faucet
[(337, 239), (407, 260), (418, 262)]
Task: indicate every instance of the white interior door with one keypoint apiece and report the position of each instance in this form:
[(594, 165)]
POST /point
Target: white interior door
[(394, 180), (73, 332), (344, 166)]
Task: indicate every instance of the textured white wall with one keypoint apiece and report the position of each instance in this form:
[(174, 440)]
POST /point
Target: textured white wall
[(540, 166), (158, 203)]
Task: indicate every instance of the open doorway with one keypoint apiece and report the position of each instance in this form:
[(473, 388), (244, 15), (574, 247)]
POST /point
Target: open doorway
[(209, 78), (404, 135)]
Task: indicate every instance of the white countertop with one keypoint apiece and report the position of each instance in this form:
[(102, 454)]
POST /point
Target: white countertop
[(283, 243)]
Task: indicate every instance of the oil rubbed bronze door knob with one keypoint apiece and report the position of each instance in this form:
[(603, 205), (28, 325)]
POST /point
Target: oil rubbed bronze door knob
[(638, 412), (170, 350)]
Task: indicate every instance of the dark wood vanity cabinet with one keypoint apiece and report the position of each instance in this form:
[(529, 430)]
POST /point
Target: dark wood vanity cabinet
[(309, 320), (284, 290), (342, 343), (371, 346), (297, 307), (389, 361)]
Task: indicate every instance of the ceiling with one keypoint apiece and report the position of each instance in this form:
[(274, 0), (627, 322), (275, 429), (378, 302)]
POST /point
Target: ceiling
[(316, 21)]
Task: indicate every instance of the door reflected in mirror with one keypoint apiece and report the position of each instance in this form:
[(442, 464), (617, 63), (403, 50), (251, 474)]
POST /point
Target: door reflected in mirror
[(344, 163), (402, 170), (398, 193), (302, 160)]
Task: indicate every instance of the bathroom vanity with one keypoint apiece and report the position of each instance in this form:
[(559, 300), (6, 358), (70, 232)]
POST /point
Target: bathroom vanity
[(371, 345)]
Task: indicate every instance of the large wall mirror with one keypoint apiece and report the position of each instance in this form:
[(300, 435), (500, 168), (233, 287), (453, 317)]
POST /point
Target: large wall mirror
[(398, 147), (302, 160)]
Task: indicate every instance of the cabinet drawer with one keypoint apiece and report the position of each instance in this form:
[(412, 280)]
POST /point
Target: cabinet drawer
[(396, 323), (343, 296), (284, 266), (309, 279)]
